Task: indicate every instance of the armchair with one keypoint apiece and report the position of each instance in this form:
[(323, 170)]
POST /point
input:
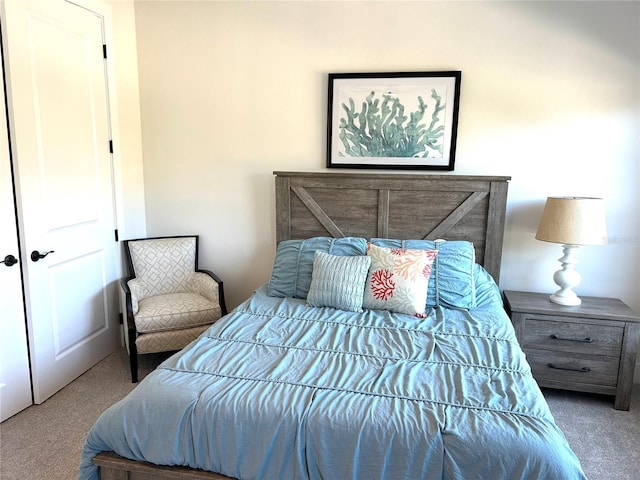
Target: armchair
[(169, 301)]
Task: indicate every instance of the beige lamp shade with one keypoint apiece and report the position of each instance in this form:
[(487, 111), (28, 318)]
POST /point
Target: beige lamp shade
[(573, 221)]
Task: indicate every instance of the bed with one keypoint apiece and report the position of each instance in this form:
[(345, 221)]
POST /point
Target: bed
[(332, 370)]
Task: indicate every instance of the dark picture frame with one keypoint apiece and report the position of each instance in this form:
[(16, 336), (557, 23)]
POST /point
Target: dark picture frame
[(401, 120)]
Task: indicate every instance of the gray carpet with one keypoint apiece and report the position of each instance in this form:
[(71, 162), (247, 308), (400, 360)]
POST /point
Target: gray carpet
[(606, 441), (44, 442)]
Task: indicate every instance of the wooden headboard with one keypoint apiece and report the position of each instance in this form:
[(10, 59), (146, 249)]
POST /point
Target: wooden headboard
[(403, 206)]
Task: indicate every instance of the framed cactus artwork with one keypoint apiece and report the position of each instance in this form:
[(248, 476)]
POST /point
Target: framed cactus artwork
[(403, 120)]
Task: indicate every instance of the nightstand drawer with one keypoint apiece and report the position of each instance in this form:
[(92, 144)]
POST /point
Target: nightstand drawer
[(574, 337), (571, 368)]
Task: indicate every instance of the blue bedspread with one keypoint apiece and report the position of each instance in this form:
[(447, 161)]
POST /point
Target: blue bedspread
[(278, 390)]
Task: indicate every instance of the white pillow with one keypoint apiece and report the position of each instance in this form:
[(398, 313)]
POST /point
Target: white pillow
[(398, 279)]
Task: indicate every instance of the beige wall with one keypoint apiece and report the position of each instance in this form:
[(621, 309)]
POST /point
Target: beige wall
[(231, 91), (128, 167)]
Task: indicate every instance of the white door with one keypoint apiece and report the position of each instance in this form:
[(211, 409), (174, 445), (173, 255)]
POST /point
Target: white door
[(59, 122), (15, 382)]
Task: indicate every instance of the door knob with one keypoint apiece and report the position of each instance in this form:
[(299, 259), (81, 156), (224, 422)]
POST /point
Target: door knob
[(36, 255), (9, 260)]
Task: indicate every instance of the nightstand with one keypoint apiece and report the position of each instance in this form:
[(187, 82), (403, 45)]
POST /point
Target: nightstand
[(588, 348)]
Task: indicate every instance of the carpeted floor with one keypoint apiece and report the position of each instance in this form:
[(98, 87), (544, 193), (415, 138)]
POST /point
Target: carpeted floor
[(606, 441), (44, 441)]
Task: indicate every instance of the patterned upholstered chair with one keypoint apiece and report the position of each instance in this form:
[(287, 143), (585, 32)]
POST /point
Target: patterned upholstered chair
[(169, 301)]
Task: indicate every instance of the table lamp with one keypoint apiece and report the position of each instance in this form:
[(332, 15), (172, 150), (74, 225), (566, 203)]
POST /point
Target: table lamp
[(572, 221)]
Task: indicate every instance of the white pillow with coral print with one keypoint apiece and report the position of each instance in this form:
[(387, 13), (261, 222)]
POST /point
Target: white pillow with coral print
[(398, 279)]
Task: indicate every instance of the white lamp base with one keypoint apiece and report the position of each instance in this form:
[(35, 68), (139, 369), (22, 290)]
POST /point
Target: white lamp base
[(567, 278)]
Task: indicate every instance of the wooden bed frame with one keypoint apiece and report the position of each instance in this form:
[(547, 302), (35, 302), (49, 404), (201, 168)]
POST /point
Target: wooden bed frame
[(403, 206)]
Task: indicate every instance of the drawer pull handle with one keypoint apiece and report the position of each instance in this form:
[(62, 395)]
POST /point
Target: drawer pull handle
[(583, 340), (581, 370)]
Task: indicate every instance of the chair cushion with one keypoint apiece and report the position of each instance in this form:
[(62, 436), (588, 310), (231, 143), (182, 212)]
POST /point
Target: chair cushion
[(168, 341), (175, 311)]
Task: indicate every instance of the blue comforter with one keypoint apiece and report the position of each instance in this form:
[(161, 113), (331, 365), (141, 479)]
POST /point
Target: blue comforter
[(279, 390)]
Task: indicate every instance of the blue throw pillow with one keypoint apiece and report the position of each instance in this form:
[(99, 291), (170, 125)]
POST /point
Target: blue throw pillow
[(338, 282), (293, 264)]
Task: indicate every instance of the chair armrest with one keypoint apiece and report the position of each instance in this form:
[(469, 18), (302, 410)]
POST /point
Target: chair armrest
[(134, 291), (210, 286), (124, 283)]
